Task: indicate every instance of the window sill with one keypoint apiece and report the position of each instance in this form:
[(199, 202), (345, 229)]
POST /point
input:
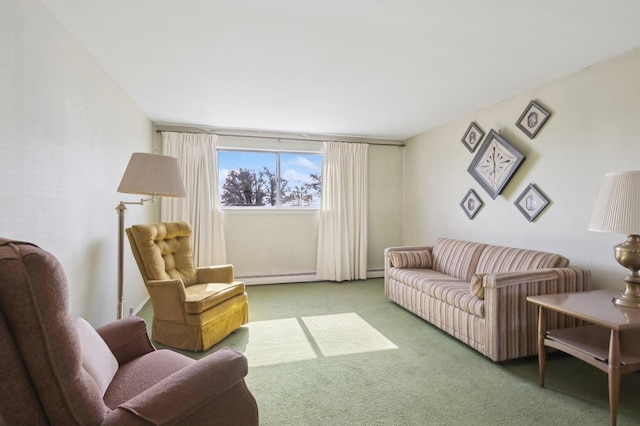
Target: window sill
[(270, 211)]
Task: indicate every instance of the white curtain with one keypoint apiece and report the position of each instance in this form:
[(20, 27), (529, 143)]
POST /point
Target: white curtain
[(342, 239), (196, 154)]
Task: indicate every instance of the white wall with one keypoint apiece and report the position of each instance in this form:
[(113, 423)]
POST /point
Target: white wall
[(385, 203), (593, 129), (66, 135)]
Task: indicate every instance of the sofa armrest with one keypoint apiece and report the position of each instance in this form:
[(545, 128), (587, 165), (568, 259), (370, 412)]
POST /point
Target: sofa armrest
[(127, 338), (215, 274), (186, 391), (406, 248), (387, 258), (511, 320), (503, 279), (557, 280)]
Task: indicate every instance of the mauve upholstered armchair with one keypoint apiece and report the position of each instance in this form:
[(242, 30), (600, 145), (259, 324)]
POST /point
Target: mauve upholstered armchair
[(193, 307), (58, 370)]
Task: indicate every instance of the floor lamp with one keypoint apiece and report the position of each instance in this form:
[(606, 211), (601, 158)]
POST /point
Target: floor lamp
[(146, 174)]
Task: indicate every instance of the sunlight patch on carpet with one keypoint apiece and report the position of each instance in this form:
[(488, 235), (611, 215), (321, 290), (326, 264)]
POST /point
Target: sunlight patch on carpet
[(345, 334), (292, 339), (277, 342)]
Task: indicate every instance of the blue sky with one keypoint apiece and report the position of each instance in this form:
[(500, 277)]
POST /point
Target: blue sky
[(295, 167)]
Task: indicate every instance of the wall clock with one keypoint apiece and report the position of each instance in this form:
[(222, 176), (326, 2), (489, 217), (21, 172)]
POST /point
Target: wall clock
[(495, 164)]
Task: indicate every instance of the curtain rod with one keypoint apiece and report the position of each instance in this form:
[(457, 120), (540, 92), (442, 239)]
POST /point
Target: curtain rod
[(283, 138)]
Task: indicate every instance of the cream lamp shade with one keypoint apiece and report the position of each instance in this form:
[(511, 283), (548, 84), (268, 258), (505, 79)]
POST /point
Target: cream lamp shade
[(617, 210), (152, 174)]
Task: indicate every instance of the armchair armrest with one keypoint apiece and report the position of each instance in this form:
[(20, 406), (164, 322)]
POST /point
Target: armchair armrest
[(215, 274), (127, 338), (186, 391), (167, 298)]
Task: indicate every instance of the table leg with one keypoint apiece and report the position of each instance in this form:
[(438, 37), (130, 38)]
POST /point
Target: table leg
[(614, 375), (542, 350)]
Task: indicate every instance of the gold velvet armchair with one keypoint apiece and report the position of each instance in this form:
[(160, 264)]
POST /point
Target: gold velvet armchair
[(193, 307)]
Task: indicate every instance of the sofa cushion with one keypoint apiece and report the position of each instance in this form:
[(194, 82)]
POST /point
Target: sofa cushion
[(476, 285), (97, 358), (456, 258), (418, 278), (411, 259), (453, 291), (508, 259), (456, 293)]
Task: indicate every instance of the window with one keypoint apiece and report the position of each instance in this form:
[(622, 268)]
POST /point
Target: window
[(269, 178)]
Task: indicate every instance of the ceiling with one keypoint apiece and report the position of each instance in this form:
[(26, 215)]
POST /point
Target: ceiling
[(376, 68)]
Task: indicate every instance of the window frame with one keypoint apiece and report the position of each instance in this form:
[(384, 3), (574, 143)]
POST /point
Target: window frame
[(278, 206)]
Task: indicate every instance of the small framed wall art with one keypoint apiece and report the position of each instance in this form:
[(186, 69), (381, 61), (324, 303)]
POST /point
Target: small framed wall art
[(471, 204), (472, 137), (532, 119), (495, 164), (531, 202)]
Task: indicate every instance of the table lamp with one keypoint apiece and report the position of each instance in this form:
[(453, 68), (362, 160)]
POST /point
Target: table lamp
[(617, 210), (146, 174)]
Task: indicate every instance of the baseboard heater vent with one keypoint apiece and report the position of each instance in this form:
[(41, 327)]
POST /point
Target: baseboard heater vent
[(293, 277)]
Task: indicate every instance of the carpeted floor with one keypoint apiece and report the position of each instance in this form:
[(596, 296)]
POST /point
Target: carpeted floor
[(342, 354)]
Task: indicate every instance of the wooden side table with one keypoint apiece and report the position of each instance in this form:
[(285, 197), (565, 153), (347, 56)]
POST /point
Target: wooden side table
[(610, 343)]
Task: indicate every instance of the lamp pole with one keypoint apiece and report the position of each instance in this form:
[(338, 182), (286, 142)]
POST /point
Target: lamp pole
[(122, 209)]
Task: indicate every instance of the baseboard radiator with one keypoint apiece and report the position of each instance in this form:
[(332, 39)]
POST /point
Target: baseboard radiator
[(294, 277)]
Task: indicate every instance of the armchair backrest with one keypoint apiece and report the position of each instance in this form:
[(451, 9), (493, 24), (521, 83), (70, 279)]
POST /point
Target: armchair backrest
[(163, 251), (41, 370)]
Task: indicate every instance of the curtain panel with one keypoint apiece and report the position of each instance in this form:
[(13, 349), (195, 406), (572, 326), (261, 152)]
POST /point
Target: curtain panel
[(342, 238), (196, 154)]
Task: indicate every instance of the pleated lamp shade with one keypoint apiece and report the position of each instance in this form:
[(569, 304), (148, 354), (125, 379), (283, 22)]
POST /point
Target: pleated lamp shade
[(152, 174), (617, 208)]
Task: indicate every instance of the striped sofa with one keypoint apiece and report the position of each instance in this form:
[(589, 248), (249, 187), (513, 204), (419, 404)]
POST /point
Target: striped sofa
[(477, 292)]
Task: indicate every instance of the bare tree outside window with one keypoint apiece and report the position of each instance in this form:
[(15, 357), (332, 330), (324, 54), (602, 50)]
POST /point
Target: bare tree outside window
[(269, 179)]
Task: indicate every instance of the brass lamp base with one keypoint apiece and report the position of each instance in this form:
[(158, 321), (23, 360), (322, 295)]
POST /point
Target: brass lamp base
[(630, 298), (628, 255)]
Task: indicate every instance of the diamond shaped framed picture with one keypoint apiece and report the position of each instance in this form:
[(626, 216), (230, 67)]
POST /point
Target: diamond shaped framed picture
[(531, 202), (472, 137), (495, 164), (532, 119), (471, 204)]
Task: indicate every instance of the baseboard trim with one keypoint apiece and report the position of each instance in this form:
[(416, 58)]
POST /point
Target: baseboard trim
[(139, 307)]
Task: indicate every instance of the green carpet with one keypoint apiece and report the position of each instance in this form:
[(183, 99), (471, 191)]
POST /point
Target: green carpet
[(392, 368)]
